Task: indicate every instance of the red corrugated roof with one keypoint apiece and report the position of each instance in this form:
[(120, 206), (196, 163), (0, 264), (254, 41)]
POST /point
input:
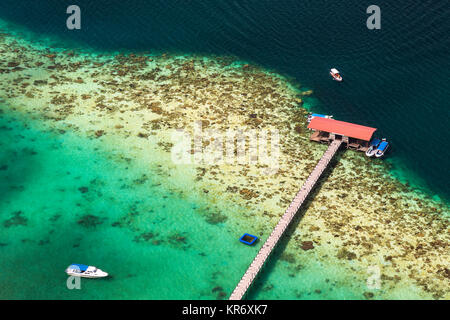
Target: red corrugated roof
[(343, 128)]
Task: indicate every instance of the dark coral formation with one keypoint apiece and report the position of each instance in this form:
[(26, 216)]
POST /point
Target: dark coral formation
[(216, 218), (83, 189), (90, 221), (17, 219), (148, 237), (307, 245), (345, 254)]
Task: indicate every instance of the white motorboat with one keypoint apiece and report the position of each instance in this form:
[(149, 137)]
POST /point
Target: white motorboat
[(81, 270), (384, 145), (335, 74), (373, 147)]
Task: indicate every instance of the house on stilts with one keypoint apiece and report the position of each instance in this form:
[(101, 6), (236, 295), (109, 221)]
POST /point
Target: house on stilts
[(353, 136)]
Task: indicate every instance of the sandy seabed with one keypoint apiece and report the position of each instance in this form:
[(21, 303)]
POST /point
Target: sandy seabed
[(358, 217)]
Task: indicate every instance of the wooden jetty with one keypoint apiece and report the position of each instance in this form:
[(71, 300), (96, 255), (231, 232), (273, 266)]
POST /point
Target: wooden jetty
[(254, 268)]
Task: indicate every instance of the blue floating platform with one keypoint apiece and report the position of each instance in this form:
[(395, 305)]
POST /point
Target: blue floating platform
[(248, 239)]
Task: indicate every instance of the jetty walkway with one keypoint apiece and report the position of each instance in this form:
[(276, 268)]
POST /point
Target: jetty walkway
[(254, 268)]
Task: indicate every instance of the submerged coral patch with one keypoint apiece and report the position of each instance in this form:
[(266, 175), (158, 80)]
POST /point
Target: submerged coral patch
[(90, 221), (17, 219), (215, 218)]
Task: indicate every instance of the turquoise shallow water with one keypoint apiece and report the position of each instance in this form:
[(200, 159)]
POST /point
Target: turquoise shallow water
[(67, 199), (51, 181)]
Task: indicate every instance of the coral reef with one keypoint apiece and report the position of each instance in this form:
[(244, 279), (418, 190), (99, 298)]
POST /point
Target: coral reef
[(359, 213)]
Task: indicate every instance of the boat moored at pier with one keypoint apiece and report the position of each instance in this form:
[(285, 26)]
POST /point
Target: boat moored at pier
[(313, 115), (373, 147), (382, 148)]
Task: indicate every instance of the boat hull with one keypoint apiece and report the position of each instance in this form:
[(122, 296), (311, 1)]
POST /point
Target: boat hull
[(379, 153), (91, 276), (335, 78), (84, 271), (370, 152)]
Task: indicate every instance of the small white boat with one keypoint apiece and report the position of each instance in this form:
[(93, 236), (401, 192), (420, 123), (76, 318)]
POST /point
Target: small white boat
[(335, 74), (81, 270), (384, 145), (373, 147)]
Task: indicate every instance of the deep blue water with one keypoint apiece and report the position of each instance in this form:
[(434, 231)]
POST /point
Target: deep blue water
[(396, 78)]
